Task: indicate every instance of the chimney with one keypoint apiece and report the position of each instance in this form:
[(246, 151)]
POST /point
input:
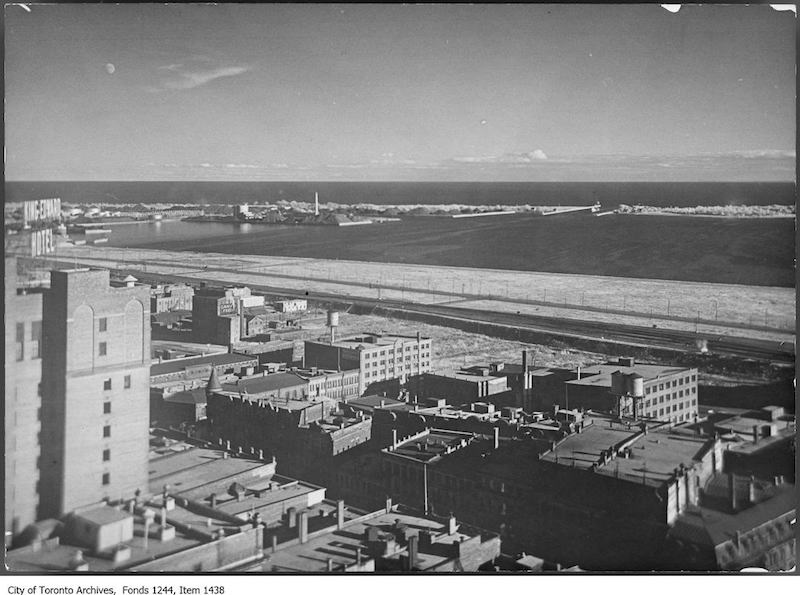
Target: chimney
[(274, 542), (452, 527), (755, 433), (291, 517), (496, 437), (579, 372), (261, 454), (213, 500), (330, 564), (394, 437), (358, 556), (751, 490), (732, 485), (413, 549), (388, 505), (302, 526), (340, 514)]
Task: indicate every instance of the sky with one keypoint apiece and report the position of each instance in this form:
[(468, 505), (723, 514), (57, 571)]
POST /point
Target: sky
[(394, 92)]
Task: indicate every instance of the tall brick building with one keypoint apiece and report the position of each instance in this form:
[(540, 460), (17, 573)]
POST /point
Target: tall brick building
[(95, 387), (23, 375)]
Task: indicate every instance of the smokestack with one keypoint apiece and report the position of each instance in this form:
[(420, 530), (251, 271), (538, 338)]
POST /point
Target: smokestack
[(340, 514), (302, 526), (388, 505), (413, 549), (579, 372), (496, 438), (394, 437)]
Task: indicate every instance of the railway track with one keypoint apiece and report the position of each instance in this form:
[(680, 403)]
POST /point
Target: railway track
[(782, 353)]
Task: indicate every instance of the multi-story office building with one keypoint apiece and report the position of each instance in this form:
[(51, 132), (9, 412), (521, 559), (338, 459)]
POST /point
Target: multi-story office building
[(95, 390), (377, 357), (23, 375), (668, 393)]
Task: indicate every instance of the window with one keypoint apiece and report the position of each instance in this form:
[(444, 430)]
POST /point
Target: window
[(107, 384), (694, 378), (103, 324), (107, 407), (36, 339), (107, 454), (127, 380), (674, 383), (647, 391), (106, 479), (103, 348), (20, 344), (680, 380), (660, 387), (106, 431)]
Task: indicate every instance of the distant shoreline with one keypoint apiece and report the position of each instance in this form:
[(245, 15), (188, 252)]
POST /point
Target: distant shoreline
[(709, 216)]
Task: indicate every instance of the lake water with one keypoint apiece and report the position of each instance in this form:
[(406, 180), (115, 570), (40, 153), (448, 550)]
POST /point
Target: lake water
[(742, 251)]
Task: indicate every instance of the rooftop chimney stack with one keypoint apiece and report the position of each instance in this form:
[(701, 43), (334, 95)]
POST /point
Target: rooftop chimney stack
[(340, 514), (496, 438), (413, 549), (316, 203), (732, 484), (755, 433), (302, 526)]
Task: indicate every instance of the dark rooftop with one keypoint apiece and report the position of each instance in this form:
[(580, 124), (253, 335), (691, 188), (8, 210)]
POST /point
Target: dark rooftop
[(178, 365)]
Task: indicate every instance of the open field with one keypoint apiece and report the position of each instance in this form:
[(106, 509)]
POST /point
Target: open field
[(716, 305)]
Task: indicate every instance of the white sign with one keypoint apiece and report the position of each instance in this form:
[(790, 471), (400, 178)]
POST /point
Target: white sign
[(42, 242), (45, 209)]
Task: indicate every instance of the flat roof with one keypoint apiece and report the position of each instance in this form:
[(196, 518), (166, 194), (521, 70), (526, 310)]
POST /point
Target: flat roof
[(468, 376), (266, 383), (198, 467), (653, 459), (366, 340), (270, 492), (102, 515), (430, 444), (340, 546), (218, 359), (647, 371)]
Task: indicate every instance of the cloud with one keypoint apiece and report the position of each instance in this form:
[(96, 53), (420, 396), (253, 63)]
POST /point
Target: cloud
[(530, 157), (184, 77)]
